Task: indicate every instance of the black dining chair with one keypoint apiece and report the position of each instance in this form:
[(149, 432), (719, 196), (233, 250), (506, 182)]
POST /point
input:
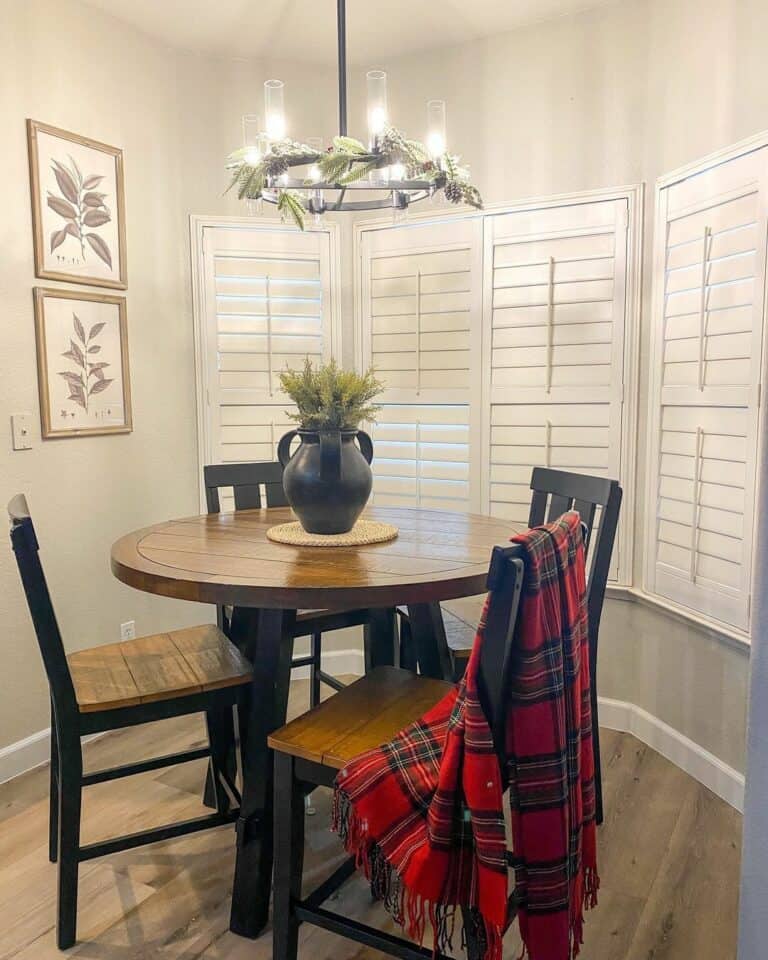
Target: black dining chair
[(554, 492), (312, 749), (118, 685)]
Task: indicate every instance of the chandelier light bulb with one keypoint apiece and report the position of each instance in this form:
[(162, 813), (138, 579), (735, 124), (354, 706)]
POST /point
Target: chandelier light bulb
[(376, 83), (436, 138), (253, 139), (274, 109)]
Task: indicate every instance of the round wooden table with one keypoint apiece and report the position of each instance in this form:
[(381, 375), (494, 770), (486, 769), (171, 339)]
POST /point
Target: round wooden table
[(227, 559)]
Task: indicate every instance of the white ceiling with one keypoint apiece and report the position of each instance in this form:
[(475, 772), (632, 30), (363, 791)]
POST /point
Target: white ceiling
[(306, 29)]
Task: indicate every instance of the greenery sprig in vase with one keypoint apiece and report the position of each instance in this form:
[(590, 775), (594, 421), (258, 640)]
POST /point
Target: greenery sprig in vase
[(328, 479)]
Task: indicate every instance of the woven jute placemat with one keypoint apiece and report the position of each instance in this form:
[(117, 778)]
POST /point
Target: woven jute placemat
[(364, 531)]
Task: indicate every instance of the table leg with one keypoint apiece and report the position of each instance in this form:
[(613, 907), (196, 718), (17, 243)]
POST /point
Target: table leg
[(380, 638), (428, 639), (271, 638)]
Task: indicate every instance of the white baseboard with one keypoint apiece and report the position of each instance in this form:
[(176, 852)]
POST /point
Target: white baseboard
[(25, 754), (722, 780)]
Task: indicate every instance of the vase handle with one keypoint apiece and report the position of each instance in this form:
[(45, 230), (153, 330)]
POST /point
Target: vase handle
[(366, 445), (284, 447), (330, 456)]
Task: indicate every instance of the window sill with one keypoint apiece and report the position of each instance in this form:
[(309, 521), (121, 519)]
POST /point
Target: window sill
[(720, 633)]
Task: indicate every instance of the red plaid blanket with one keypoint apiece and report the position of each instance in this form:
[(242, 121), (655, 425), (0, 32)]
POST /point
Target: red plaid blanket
[(423, 814)]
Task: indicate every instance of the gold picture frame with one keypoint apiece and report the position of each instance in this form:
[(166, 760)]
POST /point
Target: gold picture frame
[(82, 393), (77, 191)]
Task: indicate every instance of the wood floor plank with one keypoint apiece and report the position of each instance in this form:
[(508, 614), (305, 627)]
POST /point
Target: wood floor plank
[(692, 908), (669, 853)]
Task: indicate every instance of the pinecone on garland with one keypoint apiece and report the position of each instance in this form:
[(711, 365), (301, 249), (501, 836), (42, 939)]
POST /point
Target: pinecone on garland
[(454, 192), (274, 166)]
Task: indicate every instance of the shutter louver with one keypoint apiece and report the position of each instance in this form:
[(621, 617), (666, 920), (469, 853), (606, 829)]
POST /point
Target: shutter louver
[(421, 323), (707, 356), (556, 278)]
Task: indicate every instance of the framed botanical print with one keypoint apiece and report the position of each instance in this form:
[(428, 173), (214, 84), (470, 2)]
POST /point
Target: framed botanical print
[(78, 207), (82, 363)]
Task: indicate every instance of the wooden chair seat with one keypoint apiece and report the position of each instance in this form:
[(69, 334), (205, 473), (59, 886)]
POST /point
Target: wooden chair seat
[(156, 667), (363, 715)]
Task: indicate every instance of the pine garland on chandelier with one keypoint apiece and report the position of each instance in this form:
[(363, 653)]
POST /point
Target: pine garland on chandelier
[(347, 162)]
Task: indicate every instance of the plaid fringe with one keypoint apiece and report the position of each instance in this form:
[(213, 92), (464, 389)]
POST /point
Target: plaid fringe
[(409, 910)]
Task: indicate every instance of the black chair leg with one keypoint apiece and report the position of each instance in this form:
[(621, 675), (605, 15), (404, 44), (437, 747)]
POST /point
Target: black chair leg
[(595, 728), (596, 753), (53, 799), (70, 790), (314, 669), (407, 649), (289, 858), (471, 935), (221, 737)]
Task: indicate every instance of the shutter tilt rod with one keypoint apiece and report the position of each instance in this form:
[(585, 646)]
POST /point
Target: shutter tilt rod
[(703, 305), (550, 321), (269, 334), (695, 498), (418, 332), (548, 443)]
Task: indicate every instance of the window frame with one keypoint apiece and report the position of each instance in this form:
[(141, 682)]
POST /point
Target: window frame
[(200, 308), (656, 314)]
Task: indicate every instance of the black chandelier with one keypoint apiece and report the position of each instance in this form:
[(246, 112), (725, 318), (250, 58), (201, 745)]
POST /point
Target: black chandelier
[(398, 170)]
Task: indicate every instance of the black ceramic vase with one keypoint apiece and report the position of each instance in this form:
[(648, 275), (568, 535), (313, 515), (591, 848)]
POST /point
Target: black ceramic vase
[(328, 479)]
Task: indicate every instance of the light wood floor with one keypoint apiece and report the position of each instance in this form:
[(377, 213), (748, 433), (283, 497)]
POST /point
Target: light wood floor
[(669, 858)]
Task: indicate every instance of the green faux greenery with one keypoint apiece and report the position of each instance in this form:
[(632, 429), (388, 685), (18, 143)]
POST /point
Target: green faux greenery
[(329, 398), (346, 162)]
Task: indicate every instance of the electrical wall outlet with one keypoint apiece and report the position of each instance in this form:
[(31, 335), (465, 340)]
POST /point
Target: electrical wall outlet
[(128, 630), (21, 429)]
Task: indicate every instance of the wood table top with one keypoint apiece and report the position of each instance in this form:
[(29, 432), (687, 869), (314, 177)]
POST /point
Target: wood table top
[(227, 558)]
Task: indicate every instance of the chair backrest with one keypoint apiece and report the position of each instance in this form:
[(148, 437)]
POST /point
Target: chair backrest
[(598, 502), (505, 583), (26, 549), (246, 481)]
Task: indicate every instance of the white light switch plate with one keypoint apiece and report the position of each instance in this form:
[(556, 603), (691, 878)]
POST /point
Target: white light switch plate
[(21, 428)]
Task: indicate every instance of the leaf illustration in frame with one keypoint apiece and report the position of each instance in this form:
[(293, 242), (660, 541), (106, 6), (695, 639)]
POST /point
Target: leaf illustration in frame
[(99, 247), (79, 329), (96, 329), (71, 377), (75, 353), (65, 181), (77, 393), (59, 236), (97, 369), (94, 199), (98, 386), (96, 217), (62, 207), (93, 181), (76, 170), (94, 349)]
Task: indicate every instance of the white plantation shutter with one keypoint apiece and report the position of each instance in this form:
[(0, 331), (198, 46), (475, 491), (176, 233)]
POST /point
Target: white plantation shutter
[(421, 309), (553, 361), (710, 305), (267, 305)]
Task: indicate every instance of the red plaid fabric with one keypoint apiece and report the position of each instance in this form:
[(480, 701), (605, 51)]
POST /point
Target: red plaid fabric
[(423, 814)]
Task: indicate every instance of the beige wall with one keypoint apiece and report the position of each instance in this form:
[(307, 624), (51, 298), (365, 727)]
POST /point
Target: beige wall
[(615, 95), (67, 65), (175, 116)]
